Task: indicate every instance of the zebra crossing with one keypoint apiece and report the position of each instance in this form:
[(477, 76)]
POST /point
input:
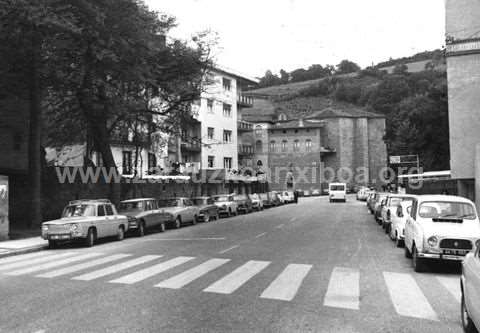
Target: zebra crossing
[(343, 291)]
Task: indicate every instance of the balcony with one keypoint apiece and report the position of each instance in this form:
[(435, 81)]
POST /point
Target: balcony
[(327, 150), (245, 150), (191, 146), (244, 126), (244, 101)]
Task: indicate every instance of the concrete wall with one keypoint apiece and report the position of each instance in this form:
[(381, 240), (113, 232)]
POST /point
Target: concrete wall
[(377, 149), (462, 18)]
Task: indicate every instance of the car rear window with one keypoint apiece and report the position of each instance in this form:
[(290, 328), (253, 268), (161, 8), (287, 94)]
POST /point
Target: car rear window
[(337, 187), (167, 203)]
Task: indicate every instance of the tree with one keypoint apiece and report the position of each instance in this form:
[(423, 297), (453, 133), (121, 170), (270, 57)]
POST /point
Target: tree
[(347, 66), (269, 79), (284, 76)]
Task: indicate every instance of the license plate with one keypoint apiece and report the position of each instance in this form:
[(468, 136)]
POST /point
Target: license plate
[(456, 252), (59, 237)]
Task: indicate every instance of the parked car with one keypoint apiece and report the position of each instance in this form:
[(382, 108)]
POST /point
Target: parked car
[(440, 227), (337, 191), (176, 212), (380, 201), (142, 214), (391, 202), (371, 201), (267, 203), (316, 192), (306, 193), (226, 204), (274, 198), (207, 208), (86, 220), (244, 204), (362, 193), (257, 202), (287, 196), (399, 219), (470, 289)]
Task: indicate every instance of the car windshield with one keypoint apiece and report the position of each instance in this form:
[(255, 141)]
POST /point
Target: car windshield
[(199, 201), (337, 188), (168, 203), (444, 209), (79, 210), (131, 205), (221, 199)]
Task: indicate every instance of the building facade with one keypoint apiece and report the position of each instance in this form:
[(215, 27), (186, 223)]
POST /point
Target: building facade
[(463, 74), (334, 143)]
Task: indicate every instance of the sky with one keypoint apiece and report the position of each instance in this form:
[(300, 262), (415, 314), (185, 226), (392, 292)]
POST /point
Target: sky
[(257, 35)]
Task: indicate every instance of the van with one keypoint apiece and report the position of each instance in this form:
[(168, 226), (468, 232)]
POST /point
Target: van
[(337, 191)]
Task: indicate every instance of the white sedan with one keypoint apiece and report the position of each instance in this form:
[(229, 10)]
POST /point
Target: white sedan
[(398, 219)]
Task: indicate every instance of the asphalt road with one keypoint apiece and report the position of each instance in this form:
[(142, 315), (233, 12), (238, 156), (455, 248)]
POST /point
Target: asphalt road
[(310, 267)]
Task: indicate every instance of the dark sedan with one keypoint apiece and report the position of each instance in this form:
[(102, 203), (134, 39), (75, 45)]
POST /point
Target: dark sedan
[(244, 203), (208, 209)]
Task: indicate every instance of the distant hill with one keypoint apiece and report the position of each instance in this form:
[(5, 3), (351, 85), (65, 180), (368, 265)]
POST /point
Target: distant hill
[(417, 62)]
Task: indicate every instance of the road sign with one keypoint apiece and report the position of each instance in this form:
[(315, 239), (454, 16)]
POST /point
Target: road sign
[(395, 159)]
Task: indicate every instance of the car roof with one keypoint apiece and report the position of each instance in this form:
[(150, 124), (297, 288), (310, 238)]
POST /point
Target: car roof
[(137, 199), (173, 198), (89, 201), (201, 197), (442, 197), (402, 195), (337, 184)]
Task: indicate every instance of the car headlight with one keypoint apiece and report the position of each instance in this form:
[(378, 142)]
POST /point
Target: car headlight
[(74, 227), (44, 227), (432, 241)]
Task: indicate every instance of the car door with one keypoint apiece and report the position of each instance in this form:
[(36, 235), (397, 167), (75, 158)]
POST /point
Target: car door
[(409, 232), (148, 213), (101, 223), (112, 221), (472, 286), (187, 211)]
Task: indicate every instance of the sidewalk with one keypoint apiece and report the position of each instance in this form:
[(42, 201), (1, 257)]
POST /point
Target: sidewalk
[(19, 246)]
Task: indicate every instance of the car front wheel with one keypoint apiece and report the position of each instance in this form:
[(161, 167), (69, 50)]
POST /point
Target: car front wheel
[(120, 233), (467, 323), (178, 223), (418, 263), (52, 244), (141, 230), (206, 217), (90, 240)]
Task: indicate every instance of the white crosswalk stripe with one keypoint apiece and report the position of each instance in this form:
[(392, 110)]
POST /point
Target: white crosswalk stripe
[(35, 261), (452, 284), (286, 285), (116, 268), (23, 257), (44, 266), (182, 279), (343, 289), (151, 271), (82, 266), (407, 297), (237, 278)]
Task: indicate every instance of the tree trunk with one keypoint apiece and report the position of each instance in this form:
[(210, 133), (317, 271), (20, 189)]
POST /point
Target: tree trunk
[(35, 138)]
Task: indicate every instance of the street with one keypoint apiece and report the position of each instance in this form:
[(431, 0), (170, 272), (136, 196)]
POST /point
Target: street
[(310, 267)]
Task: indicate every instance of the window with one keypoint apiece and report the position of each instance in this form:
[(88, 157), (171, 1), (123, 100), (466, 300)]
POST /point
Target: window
[(210, 133), (259, 146), (211, 161), (227, 84), (227, 110), (210, 105), (308, 145), (227, 136), (227, 162), (282, 117), (296, 131), (126, 162), (296, 145), (109, 210), (284, 131), (273, 146), (258, 130), (101, 210), (152, 163), (284, 145)]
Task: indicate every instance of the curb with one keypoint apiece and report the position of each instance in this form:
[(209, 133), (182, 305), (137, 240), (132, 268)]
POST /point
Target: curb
[(23, 251)]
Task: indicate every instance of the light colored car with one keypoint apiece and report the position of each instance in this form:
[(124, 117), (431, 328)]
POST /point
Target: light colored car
[(287, 196), (86, 220), (391, 203), (399, 218), (142, 214), (337, 192), (316, 192), (178, 211), (306, 193), (378, 202), (363, 193), (226, 204), (244, 204), (441, 227), (470, 288), (257, 202)]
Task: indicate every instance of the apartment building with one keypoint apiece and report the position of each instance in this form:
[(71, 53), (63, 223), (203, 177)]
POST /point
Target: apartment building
[(463, 74)]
